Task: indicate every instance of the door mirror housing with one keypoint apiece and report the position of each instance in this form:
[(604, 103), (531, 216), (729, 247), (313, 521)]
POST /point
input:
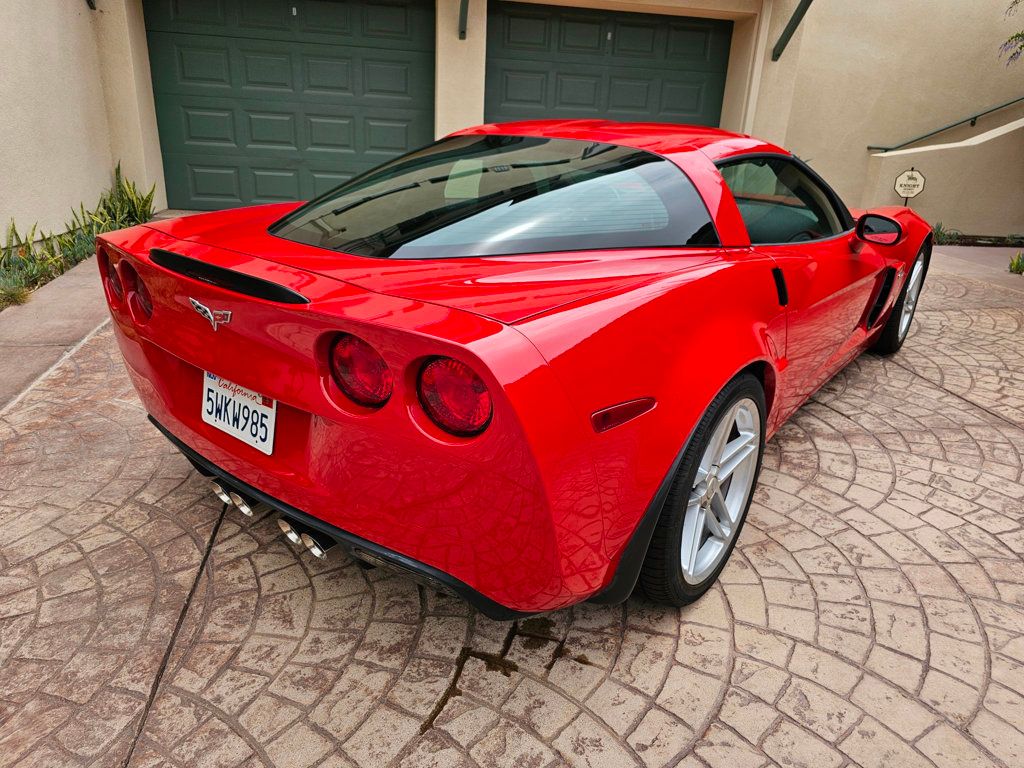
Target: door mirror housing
[(879, 230)]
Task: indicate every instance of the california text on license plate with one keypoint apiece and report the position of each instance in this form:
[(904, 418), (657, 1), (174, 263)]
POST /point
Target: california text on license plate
[(242, 413)]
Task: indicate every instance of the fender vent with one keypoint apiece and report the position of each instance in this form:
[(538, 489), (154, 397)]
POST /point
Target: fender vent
[(888, 276), (780, 286), (225, 278)]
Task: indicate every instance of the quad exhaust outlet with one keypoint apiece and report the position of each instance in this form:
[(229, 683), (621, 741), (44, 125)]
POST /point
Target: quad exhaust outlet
[(286, 528), (220, 492), (244, 505), (232, 498), (317, 543)]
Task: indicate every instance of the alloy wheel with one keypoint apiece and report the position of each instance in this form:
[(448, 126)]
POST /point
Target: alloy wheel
[(914, 284), (721, 490)]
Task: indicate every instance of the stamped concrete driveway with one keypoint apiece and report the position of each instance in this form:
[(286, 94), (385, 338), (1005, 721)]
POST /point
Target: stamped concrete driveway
[(873, 613)]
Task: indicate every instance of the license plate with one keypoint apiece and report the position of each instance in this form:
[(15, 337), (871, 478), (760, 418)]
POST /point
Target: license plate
[(240, 412)]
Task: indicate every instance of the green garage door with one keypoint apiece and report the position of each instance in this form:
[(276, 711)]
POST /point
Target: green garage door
[(259, 101), (549, 62)]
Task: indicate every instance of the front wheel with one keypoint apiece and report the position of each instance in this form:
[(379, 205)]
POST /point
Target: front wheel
[(897, 326), (710, 496)]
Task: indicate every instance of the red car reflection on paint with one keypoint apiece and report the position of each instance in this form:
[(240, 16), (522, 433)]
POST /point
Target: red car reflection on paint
[(531, 364)]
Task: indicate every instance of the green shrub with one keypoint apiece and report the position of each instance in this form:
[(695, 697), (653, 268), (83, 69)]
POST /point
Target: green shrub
[(1017, 263), (943, 236), (28, 260)]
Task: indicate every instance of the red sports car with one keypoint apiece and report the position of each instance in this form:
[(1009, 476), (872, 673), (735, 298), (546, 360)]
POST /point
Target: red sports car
[(530, 364)]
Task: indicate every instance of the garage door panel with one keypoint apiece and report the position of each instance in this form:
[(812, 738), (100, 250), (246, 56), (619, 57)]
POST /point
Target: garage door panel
[(634, 39), (687, 99), (275, 185), (525, 30), (582, 35), (272, 130), (262, 70), (552, 62), (324, 75), (398, 23), (632, 95), (245, 118), (331, 134), (583, 91), (517, 87), (204, 12), (215, 183), (250, 128), (275, 71)]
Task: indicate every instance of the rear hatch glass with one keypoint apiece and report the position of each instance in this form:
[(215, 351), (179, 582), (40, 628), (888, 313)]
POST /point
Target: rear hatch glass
[(486, 195)]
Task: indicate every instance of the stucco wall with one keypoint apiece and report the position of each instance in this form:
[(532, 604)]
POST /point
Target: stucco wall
[(54, 151), (128, 93), (975, 185), (459, 67), (880, 73)]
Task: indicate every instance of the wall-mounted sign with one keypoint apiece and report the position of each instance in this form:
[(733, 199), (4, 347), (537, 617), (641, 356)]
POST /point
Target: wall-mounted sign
[(909, 184)]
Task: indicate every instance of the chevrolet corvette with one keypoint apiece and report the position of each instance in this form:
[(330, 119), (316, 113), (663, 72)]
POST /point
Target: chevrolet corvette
[(529, 364)]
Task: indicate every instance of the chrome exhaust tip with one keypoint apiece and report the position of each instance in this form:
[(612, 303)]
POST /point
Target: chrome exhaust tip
[(286, 528), (319, 546), (243, 504), (220, 492)]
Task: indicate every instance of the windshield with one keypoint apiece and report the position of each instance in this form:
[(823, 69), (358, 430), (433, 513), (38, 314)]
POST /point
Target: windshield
[(492, 195)]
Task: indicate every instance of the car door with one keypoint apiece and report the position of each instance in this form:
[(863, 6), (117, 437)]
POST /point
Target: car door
[(828, 277)]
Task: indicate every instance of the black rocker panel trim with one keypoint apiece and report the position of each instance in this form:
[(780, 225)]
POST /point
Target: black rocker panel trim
[(349, 541), (225, 278)]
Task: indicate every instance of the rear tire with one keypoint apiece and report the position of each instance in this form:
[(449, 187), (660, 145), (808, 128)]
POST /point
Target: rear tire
[(704, 512), (897, 327)]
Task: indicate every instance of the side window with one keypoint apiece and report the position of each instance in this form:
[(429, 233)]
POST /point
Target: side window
[(779, 202)]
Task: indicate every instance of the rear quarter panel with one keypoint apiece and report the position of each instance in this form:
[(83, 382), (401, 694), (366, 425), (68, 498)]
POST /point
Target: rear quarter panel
[(680, 339)]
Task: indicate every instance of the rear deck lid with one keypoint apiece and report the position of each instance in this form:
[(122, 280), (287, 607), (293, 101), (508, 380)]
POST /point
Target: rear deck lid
[(502, 226)]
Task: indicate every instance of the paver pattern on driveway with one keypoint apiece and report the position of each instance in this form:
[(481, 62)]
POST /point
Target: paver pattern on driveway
[(872, 614)]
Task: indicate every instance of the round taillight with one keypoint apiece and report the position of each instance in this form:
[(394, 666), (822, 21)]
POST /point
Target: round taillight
[(454, 397), (142, 297), (360, 371), (139, 300), (111, 277)]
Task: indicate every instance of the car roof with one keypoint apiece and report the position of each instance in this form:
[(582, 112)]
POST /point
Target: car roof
[(660, 138)]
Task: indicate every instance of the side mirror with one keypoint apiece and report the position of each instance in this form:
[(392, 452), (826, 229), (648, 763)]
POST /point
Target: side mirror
[(880, 230)]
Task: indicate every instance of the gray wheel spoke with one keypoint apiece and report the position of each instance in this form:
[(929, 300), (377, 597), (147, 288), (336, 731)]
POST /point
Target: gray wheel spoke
[(693, 532), (713, 453), (719, 522), (736, 452)]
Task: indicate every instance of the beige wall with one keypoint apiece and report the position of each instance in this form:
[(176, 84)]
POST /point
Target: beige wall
[(459, 67), (975, 185), (75, 97), (128, 93), (879, 73), (54, 151)]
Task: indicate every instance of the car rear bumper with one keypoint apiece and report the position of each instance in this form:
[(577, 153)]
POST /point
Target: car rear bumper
[(353, 545), (517, 514)]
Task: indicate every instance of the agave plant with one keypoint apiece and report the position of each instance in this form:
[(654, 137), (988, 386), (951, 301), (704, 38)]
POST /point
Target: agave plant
[(28, 260)]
